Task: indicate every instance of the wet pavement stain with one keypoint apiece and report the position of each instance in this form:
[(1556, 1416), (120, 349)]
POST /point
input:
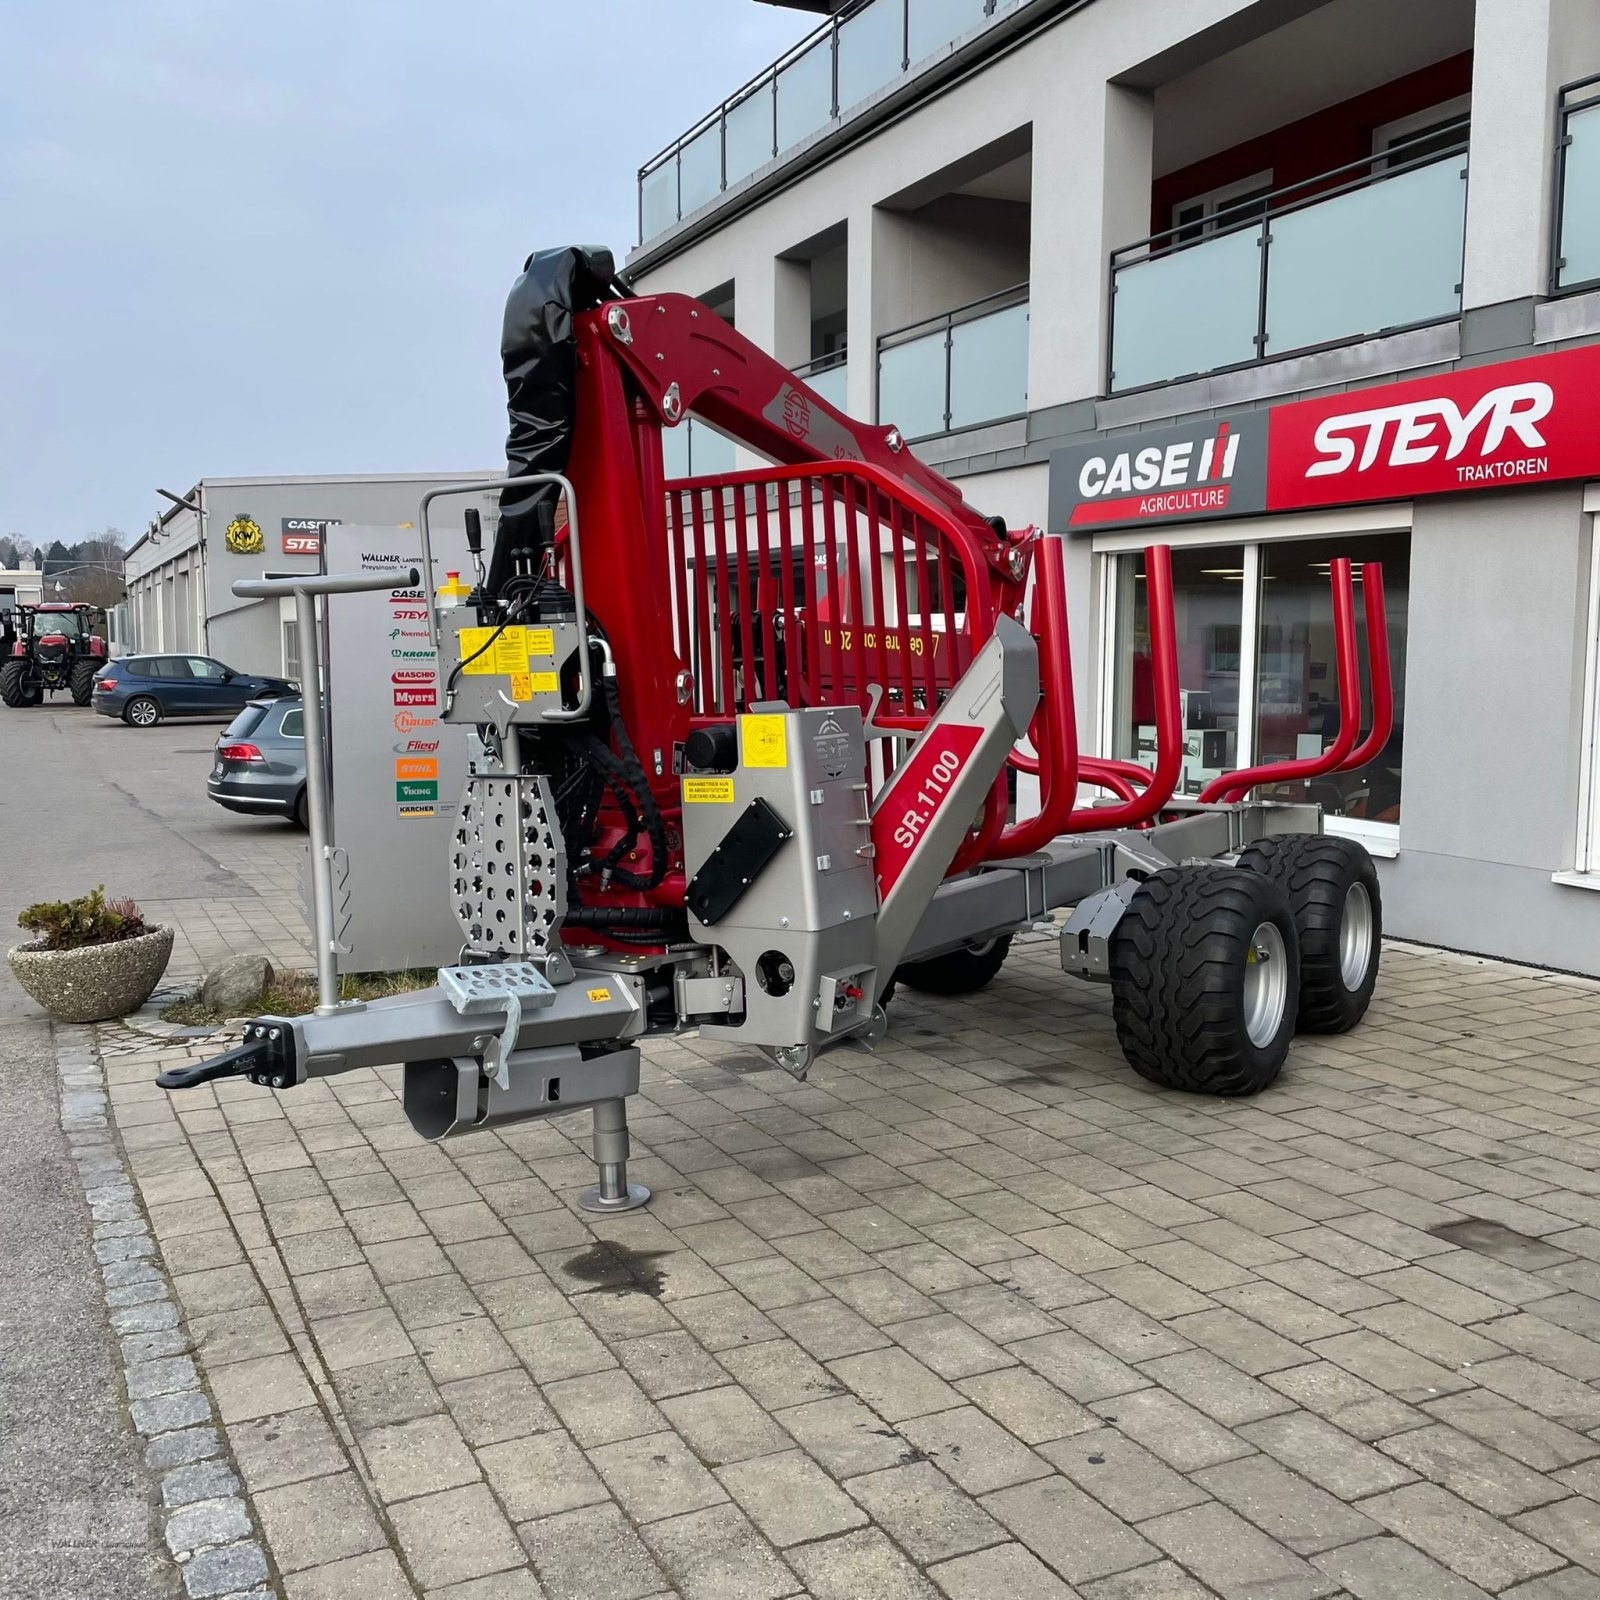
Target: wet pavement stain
[(615, 1267), (1501, 1243)]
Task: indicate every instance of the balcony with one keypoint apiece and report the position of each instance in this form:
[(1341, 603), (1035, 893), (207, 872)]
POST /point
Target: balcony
[(828, 376), (959, 369), (1575, 252), (1366, 249), (849, 59)]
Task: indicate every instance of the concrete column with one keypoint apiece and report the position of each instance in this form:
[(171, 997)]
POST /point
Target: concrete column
[(791, 311), (1092, 169), (1523, 51)]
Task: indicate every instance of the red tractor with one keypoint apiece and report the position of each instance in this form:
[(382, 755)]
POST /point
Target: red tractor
[(51, 647)]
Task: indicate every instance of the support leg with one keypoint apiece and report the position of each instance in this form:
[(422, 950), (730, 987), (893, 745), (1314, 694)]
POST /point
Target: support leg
[(614, 1192)]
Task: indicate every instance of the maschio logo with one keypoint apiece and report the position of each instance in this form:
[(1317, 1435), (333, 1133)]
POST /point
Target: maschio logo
[(243, 536), (413, 675), (1408, 435)]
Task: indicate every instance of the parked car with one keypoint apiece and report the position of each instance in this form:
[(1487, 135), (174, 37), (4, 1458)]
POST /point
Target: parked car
[(260, 766), (144, 689)]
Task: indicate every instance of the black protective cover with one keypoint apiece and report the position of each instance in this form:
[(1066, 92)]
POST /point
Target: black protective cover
[(538, 357), (747, 848)]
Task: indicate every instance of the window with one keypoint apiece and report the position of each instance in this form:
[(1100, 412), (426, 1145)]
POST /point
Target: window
[(1424, 133), (1222, 207), (207, 670), (169, 667), (1208, 594), (1256, 665), (291, 650), (293, 725)]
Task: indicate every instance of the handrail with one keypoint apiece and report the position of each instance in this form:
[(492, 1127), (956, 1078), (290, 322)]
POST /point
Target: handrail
[(1565, 112), (1015, 295), (821, 364), (1275, 205), (1169, 716), (1235, 785), (1379, 672)]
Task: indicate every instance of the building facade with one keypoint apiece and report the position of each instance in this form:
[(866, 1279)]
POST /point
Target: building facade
[(180, 575), (1351, 249)]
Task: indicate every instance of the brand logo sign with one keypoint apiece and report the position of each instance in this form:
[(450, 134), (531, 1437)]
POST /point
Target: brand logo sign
[(414, 687), (1532, 421), (416, 747), (1214, 467), (405, 721), (243, 536), (302, 536), (425, 794), (416, 767)]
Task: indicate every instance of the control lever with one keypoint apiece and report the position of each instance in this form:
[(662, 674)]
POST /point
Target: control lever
[(472, 518)]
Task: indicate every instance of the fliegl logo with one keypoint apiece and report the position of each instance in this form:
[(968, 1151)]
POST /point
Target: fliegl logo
[(1437, 428)]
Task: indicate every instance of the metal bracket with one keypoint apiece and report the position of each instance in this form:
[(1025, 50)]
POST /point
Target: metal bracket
[(1086, 938), (507, 986)]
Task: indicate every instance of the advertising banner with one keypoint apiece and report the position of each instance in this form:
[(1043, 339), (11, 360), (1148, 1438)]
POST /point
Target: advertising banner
[(397, 769), (1535, 420)]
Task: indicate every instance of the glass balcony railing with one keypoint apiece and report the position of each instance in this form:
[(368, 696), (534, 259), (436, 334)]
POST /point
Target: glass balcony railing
[(849, 59), (693, 449), (1575, 252), (828, 376), (1371, 248), (957, 370)]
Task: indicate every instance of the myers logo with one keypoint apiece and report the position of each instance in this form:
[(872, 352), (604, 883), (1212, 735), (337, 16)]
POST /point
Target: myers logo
[(1421, 430)]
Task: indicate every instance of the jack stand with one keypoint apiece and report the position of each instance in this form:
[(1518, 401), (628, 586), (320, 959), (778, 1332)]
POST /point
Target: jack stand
[(613, 1192)]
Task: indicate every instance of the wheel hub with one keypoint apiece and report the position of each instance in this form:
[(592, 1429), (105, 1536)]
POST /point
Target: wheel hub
[(1266, 985), (1355, 937)]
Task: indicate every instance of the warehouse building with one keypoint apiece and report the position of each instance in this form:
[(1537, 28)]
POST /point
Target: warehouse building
[(180, 575), (1271, 281)]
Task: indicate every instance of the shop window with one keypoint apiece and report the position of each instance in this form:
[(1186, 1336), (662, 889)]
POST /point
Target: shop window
[(1297, 702), (1208, 597), (1256, 666)]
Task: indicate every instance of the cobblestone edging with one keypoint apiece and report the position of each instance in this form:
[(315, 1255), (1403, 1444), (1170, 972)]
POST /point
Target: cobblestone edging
[(207, 1519)]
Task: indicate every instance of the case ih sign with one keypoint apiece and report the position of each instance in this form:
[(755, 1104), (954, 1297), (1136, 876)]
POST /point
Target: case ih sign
[(1531, 421), (302, 536)]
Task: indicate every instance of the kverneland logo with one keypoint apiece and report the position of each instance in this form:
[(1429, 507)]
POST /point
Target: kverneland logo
[(1437, 428)]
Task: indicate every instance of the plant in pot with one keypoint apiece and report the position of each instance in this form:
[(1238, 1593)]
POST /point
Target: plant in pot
[(90, 958)]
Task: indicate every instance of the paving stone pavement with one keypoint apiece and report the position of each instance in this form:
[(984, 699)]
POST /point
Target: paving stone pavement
[(978, 1315)]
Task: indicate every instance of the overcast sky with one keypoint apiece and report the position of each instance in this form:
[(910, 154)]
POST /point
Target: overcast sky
[(275, 236)]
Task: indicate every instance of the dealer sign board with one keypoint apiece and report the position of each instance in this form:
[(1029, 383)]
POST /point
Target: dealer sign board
[(1531, 421), (302, 536)]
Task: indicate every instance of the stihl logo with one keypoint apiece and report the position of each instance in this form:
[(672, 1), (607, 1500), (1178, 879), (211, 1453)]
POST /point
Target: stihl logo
[(1408, 435)]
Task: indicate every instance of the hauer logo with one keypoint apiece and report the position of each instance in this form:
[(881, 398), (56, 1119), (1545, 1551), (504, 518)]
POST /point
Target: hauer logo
[(1409, 435), (406, 721)]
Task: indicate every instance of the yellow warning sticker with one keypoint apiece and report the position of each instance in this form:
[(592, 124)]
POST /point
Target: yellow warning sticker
[(597, 995), (765, 741), (474, 640), (545, 683), (541, 641), (511, 651), (707, 791), (521, 686)]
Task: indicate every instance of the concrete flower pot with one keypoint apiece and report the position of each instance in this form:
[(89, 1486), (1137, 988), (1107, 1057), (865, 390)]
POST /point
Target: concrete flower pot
[(96, 982)]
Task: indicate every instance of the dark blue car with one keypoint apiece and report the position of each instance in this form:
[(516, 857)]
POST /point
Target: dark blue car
[(141, 690)]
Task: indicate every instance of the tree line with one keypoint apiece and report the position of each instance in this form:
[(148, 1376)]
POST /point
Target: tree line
[(89, 571)]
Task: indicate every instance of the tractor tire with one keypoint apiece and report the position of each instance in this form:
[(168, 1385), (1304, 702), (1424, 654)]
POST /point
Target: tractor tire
[(1205, 980), (14, 689), (1338, 914), (142, 712), (957, 971), (81, 681)]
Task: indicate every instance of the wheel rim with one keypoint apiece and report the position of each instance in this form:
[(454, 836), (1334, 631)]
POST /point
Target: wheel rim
[(1266, 985), (1355, 937), (144, 714)]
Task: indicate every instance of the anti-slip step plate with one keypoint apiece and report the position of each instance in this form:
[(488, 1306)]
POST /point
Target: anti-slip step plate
[(508, 870), (474, 989)]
